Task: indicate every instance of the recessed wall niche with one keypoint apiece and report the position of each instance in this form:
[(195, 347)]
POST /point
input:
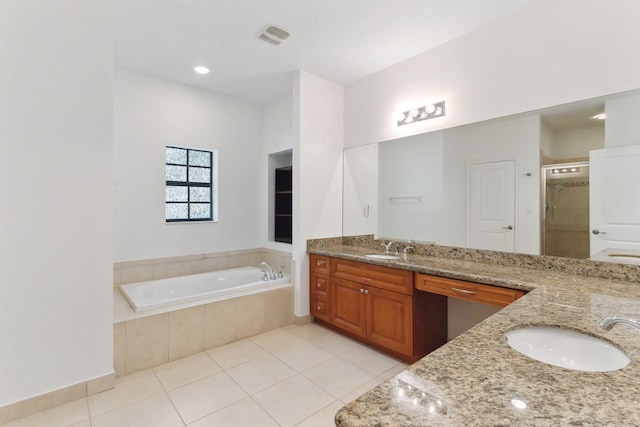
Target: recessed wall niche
[(280, 197)]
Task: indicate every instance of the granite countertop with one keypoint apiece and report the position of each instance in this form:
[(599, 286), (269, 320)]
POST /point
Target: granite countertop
[(478, 380)]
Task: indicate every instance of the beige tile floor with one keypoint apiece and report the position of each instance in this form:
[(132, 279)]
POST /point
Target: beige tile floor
[(292, 376)]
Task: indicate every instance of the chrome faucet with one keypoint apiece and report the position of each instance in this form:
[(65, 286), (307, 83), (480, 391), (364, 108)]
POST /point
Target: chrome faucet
[(407, 248), (269, 270), (608, 322), (387, 246)]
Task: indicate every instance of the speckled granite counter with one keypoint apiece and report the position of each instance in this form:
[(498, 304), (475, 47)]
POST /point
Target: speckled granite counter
[(478, 380)]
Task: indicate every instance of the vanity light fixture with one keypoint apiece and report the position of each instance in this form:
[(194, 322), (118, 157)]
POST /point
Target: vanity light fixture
[(565, 170), (429, 111), (201, 69), (600, 116)]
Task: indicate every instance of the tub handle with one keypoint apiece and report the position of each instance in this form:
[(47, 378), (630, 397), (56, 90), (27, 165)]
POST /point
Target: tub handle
[(265, 276)]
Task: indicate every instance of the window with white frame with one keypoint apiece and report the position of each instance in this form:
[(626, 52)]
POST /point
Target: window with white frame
[(191, 193)]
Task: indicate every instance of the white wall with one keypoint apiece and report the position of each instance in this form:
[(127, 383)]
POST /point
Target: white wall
[(504, 139), (622, 127), (360, 191), (277, 124), (277, 137), (576, 143), (56, 309), (149, 114), (317, 178), (412, 166), (547, 54), (546, 144)]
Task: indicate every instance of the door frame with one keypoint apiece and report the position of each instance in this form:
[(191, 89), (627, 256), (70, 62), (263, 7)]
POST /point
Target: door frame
[(470, 163)]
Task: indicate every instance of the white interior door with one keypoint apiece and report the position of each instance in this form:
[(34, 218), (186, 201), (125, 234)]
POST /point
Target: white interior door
[(491, 197), (614, 193)]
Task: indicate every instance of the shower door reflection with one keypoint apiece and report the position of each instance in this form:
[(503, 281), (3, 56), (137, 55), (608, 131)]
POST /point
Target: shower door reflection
[(565, 195)]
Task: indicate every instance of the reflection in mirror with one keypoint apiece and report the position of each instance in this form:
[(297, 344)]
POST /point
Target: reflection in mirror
[(491, 185)]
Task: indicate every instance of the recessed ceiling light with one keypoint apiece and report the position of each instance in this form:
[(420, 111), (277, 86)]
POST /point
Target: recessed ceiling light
[(201, 70), (600, 116)]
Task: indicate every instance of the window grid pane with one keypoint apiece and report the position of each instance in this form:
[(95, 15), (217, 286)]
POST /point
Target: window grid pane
[(176, 155), (199, 158), (200, 194), (177, 194), (176, 173), (177, 211), (200, 210), (200, 175), (189, 187)]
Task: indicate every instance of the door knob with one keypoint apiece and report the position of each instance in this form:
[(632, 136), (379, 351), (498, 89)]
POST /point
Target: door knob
[(508, 227), (596, 231)]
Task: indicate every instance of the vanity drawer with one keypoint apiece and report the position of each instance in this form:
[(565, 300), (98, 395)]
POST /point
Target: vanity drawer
[(391, 279), (487, 294), (320, 308), (320, 264), (319, 284)]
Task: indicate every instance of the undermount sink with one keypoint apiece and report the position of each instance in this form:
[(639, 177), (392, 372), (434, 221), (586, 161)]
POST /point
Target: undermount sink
[(383, 256), (567, 349)]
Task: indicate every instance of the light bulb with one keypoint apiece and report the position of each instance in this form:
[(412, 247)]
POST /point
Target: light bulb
[(430, 109), (201, 70)]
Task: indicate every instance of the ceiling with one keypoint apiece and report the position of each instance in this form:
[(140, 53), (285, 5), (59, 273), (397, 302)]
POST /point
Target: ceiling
[(340, 40), (576, 115)]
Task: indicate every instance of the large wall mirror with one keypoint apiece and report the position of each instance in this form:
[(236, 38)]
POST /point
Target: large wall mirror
[(559, 181)]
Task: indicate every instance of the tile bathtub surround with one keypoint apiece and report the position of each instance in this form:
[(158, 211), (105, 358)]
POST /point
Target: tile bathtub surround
[(162, 268), (249, 382), (603, 270), (150, 341)]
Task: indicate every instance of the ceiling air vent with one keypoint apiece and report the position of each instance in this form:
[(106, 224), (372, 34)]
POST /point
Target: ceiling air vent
[(274, 35)]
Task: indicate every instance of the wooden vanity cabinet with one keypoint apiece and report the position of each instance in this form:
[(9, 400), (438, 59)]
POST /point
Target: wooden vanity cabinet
[(376, 305), (487, 294), (320, 287)]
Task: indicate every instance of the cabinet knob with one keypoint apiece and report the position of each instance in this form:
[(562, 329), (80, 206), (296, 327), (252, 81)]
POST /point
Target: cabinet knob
[(319, 308), (318, 285), (361, 290), (366, 291)]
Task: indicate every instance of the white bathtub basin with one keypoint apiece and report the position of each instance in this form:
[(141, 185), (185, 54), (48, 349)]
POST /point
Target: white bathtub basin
[(383, 256), (566, 349)]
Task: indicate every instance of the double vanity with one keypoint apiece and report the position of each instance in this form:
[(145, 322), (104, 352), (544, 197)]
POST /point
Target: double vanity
[(481, 377)]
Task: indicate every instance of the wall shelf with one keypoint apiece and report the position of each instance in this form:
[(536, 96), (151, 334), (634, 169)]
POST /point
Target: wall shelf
[(283, 205)]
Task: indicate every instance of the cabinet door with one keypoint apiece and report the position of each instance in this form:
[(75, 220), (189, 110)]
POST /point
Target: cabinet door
[(390, 320), (348, 306)]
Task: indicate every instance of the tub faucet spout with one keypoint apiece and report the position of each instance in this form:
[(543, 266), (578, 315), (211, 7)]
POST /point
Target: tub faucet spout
[(272, 275)]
